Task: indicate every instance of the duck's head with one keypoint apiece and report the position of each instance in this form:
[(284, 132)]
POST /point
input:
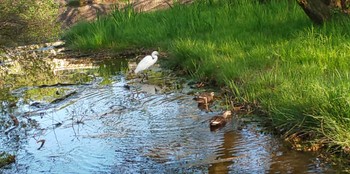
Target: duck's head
[(226, 114), (205, 94)]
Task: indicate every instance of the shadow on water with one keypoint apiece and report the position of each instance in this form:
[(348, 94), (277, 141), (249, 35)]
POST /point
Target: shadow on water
[(91, 116)]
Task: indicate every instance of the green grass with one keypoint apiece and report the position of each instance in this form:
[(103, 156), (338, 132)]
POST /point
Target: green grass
[(270, 53)]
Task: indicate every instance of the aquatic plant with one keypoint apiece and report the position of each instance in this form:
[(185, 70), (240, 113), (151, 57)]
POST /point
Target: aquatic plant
[(6, 159)]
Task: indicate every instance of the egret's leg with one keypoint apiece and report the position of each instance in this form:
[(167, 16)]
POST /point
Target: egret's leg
[(143, 77), (147, 74)]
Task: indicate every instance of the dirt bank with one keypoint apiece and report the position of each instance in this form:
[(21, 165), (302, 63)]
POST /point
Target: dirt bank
[(90, 9)]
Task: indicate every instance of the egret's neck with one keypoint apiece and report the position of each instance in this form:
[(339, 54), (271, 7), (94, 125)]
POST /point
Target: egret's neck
[(155, 57)]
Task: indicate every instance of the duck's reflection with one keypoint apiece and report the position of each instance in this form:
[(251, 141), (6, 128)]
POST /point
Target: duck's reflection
[(224, 153)]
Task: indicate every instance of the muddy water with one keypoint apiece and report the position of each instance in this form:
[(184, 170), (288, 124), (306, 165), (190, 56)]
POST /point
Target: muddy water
[(94, 118)]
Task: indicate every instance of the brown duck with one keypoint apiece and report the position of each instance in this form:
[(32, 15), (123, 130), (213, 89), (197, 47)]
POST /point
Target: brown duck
[(219, 121), (204, 98)]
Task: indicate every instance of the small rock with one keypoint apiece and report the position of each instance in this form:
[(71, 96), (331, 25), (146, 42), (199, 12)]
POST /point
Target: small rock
[(58, 43)]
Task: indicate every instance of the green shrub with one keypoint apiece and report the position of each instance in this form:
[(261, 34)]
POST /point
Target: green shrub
[(23, 21)]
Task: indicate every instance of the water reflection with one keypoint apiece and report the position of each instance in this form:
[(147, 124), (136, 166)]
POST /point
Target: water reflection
[(225, 153), (106, 122), (286, 162), (42, 75)]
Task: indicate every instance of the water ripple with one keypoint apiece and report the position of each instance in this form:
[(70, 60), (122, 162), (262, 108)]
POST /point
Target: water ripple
[(113, 129)]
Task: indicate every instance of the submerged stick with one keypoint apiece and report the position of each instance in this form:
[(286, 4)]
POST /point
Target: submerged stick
[(15, 124), (42, 143), (61, 84), (63, 98)]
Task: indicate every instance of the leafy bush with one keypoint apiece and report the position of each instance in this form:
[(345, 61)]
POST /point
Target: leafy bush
[(23, 21)]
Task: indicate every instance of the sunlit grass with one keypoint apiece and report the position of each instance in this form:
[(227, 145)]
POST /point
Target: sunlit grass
[(270, 53)]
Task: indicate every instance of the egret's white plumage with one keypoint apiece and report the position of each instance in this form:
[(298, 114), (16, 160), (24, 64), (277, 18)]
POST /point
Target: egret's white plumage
[(147, 62)]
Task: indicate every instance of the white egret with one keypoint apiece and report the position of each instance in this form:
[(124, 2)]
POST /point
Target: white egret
[(147, 62)]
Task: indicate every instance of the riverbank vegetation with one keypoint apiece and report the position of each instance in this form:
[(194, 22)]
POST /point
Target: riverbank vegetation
[(267, 53)]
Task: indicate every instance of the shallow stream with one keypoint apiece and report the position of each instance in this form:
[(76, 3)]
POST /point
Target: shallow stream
[(95, 118)]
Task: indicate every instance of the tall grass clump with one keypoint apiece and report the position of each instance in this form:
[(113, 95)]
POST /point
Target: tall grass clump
[(270, 53), (123, 29)]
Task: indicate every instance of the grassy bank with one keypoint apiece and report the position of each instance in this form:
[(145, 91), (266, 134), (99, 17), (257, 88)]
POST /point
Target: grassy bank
[(270, 53)]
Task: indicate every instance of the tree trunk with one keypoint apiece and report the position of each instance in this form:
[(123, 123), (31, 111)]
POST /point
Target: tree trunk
[(320, 11)]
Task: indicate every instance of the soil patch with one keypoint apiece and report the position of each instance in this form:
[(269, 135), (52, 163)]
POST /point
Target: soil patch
[(90, 9)]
